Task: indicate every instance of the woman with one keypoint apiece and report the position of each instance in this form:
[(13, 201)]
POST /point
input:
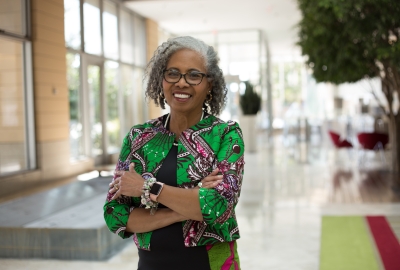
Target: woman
[(178, 177)]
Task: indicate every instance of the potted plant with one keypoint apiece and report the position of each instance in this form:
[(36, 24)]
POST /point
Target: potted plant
[(250, 103)]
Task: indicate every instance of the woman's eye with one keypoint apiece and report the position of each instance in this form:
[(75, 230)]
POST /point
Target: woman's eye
[(173, 74), (194, 75)]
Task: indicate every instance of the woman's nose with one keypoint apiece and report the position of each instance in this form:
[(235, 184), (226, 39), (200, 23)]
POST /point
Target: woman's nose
[(182, 82)]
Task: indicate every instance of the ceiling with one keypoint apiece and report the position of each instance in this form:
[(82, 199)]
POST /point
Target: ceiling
[(277, 18)]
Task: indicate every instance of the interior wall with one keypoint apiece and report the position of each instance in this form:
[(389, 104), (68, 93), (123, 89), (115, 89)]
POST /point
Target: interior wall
[(152, 44)]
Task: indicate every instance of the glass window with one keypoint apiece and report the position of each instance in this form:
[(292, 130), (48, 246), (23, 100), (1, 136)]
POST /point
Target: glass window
[(140, 41), (72, 24), (75, 120), (240, 59), (13, 143), (126, 37), (110, 30), (91, 15), (292, 82), (113, 123), (112, 99), (95, 113), (129, 110), (134, 109), (139, 99), (12, 16)]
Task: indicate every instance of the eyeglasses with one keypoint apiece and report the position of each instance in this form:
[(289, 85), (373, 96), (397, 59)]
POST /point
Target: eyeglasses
[(192, 78)]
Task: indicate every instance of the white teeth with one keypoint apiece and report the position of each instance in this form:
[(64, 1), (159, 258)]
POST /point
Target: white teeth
[(181, 96)]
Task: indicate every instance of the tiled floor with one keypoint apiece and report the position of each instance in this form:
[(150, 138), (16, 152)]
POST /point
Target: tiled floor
[(285, 192)]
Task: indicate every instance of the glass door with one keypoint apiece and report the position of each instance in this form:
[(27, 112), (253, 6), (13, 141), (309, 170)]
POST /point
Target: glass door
[(112, 124), (95, 112), (101, 110)]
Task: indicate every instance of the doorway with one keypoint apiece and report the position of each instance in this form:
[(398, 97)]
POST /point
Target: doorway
[(101, 109), (94, 109)]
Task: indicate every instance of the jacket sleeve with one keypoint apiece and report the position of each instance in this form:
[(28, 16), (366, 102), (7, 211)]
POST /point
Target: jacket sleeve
[(217, 204), (116, 212)]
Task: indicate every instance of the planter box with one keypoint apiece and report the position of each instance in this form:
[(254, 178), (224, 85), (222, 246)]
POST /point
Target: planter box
[(248, 126), (63, 223)]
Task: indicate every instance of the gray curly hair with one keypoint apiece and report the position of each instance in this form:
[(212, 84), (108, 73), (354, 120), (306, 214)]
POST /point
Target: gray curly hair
[(158, 63)]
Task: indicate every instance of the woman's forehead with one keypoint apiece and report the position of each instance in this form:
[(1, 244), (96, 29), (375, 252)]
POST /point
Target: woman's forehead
[(186, 58)]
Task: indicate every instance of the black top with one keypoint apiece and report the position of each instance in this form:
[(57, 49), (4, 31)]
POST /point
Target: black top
[(167, 249)]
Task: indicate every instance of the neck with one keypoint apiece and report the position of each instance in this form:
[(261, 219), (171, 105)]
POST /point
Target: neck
[(179, 122)]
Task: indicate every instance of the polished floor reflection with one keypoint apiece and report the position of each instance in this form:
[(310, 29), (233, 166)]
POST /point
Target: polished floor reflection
[(286, 190)]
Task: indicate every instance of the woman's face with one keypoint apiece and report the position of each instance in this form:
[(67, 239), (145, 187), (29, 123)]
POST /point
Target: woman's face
[(182, 96)]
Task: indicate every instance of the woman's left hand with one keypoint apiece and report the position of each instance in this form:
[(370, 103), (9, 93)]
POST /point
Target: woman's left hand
[(128, 183)]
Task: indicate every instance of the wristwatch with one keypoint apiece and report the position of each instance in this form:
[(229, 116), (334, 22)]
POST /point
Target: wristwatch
[(156, 190)]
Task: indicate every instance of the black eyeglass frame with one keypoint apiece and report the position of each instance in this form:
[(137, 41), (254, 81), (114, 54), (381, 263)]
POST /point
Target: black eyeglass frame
[(184, 76)]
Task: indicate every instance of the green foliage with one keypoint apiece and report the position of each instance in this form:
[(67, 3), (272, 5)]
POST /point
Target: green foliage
[(73, 87), (250, 101), (344, 39)]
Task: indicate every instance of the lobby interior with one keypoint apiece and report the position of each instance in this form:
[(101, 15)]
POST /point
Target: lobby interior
[(71, 87)]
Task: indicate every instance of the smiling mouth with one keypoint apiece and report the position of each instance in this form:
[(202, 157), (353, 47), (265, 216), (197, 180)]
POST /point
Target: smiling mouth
[(182, 96)]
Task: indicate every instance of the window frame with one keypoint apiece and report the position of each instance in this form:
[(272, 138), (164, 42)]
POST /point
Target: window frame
[(29, 108)]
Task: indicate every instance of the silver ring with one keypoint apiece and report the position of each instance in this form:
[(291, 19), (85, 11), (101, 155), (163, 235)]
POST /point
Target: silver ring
[(200, 184)]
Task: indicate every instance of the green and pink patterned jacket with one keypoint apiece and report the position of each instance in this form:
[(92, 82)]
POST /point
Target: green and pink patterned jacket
[(209, 144)]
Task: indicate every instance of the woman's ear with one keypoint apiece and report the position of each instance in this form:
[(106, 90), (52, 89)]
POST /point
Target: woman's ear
[(210, 85)]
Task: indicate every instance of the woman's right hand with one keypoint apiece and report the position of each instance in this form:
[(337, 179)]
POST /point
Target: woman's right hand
[(127, 183), (212, 180)]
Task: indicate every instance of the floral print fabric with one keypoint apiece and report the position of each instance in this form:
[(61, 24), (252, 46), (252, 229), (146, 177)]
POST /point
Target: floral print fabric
[(223, 256), (209, 144)]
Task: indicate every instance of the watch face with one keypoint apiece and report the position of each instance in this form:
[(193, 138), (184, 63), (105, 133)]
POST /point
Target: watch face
[(155, 189)]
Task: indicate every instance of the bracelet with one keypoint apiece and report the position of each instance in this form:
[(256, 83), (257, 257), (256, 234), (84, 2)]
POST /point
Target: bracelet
[(148, 183)]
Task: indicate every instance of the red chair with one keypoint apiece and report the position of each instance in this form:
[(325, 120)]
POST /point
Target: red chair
[(374, 141), (339, 142)]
